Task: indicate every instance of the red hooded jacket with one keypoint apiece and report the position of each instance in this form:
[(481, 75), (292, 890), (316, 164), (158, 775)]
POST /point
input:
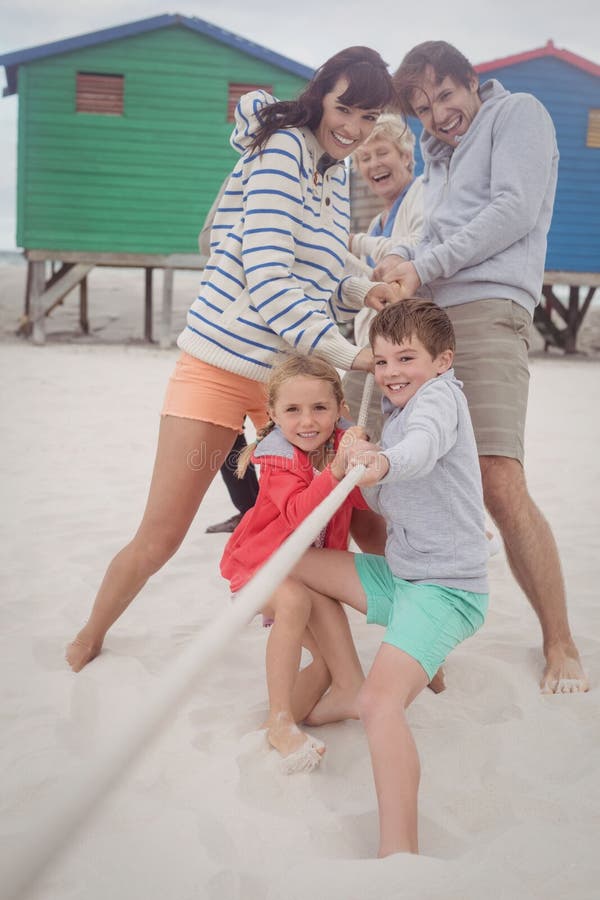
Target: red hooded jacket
[(288, 491)]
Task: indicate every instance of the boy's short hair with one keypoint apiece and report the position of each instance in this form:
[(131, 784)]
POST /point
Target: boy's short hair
[(422, 319)]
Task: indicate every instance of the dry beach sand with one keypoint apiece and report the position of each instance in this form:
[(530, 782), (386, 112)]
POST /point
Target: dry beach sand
[(511, 780)]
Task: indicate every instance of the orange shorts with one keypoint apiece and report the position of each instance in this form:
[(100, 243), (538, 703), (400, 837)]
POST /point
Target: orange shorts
[(197, 390)]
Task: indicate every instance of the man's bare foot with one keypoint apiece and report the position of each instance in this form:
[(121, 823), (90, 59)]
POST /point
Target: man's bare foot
[(438, 682), (335, 706), (81, 651), (300, 751), (563, 673)]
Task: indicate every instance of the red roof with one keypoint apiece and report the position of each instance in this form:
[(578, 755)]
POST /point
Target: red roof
[(548, 50)]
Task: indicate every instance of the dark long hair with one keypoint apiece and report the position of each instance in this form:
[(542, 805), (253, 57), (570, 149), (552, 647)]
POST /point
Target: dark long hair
[(369, 87), (443, 58)]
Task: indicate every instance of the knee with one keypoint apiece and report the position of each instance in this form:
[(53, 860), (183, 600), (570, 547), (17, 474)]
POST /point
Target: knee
[(372, 705), (154, 550), (293, 603)]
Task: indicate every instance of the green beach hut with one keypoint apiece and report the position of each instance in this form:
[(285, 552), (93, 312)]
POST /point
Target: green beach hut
[(123, 142)]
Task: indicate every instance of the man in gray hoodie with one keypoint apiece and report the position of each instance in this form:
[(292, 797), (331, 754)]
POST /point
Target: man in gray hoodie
[(490, 176)]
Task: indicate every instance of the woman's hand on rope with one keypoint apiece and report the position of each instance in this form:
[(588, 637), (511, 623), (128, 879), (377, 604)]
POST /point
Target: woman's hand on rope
[(395, 269), (383, 294)]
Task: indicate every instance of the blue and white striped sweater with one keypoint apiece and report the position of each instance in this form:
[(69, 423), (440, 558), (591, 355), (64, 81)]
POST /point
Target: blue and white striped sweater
[(278, 243)]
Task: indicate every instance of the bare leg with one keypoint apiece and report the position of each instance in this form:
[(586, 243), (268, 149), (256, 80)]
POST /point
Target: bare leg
[(329, 624), (332, 576), (533, 557), (312, 681), (438, 682), (391, 685), (291, 605), (188, 456), (368, 529)]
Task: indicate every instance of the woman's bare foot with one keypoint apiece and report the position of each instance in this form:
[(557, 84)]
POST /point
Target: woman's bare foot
[(335, 706), (563, 673), (438, 682), (300, 751), (81, 651)]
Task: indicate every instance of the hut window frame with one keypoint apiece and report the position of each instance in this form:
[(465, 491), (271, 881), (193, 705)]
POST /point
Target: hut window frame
[(593, 129), (100, 93), (236, 89)]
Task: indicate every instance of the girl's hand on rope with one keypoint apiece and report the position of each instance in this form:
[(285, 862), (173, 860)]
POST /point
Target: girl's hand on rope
[(383, 294), (351, 437), (365, 454)]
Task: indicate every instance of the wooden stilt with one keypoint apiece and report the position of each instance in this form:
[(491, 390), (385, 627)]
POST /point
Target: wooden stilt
[(167, 309)]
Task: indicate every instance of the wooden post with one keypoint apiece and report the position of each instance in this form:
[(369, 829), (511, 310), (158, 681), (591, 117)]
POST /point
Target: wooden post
[(38, 283), (83, 306), (148, 305), (27, 304), (167, 309)]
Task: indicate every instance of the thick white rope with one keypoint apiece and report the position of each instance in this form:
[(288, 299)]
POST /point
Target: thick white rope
[(366, 399), (57, 822), (54, 825)]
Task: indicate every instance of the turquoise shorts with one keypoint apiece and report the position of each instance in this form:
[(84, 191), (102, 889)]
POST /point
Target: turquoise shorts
[(424, 620)]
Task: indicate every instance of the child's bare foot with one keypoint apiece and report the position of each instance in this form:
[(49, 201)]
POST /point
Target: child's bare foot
[(438, 682), (300, 752), (563, 673), (81, 651), (335, 706)]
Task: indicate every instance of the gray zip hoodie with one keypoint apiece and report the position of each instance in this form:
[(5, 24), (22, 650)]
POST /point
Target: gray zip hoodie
[(488, 204), (431, 498)]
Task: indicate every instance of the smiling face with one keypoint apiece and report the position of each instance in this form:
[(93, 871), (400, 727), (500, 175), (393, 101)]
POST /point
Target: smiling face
[(386, 169), (447, 108), (343, 128), (306, 410), (401, 369)]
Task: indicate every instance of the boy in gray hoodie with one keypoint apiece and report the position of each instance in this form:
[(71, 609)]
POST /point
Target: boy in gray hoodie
[(491, 163), (430, 589)]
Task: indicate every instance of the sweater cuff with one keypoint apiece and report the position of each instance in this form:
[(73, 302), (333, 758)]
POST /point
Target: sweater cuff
[(338, 351), (354, 290), (428, 268)]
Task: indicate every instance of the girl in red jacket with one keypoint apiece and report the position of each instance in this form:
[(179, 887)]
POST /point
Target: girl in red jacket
[(300, 456)]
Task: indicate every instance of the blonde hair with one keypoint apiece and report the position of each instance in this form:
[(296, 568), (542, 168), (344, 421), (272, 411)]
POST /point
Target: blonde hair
[(393, 128), (293, 366)]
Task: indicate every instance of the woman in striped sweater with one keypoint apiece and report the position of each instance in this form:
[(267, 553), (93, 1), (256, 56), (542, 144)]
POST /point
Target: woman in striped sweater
[(274, 282)]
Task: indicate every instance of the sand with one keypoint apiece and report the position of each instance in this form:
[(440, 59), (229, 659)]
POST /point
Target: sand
[(510, 787)]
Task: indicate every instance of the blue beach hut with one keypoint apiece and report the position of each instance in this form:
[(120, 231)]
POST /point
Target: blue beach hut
[(569, 87)]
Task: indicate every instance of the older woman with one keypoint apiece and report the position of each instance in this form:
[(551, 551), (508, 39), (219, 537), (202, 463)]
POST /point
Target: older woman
[(386, 162)]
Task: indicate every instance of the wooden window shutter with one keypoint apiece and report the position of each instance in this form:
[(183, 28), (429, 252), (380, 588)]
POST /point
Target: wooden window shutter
[(593, 132), (236, 90), (101, 94)]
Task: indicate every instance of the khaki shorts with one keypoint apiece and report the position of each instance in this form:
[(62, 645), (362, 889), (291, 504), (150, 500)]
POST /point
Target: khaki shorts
[(197, 390), (492, 340)]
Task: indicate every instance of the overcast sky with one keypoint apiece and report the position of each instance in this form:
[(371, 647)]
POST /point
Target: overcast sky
[(308, 31)]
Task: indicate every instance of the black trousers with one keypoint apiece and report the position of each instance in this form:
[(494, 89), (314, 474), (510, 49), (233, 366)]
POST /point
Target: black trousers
[(243, 491)]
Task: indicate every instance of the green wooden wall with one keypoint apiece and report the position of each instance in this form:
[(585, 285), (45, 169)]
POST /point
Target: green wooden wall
[(141, 182)]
